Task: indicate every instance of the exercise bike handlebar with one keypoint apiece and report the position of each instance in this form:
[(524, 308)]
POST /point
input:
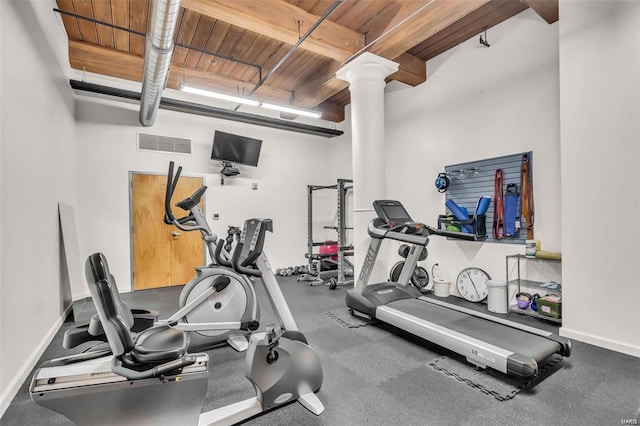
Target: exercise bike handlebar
[(238, 267), (218, 255), (118, 368)]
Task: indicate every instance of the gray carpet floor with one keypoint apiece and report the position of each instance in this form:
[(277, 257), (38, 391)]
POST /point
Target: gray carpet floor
[(375, 375)]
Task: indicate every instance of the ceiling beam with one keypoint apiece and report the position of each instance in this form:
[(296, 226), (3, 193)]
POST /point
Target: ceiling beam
[(547, 9), (425, 22), (278, 19), (412, 70), (100, 60)]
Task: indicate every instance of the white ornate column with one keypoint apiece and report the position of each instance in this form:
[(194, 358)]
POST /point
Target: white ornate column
[(366, 75)]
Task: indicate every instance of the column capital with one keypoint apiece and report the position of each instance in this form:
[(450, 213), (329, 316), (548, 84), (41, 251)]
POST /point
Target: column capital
[(368, 66)]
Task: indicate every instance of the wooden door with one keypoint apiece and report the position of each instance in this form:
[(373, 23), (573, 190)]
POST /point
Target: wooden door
[(162, 255)]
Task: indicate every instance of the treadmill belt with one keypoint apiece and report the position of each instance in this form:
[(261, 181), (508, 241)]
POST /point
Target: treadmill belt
[(511, 339)]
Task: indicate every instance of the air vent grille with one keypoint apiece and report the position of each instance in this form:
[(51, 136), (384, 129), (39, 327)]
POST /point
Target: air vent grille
[(158, 143)]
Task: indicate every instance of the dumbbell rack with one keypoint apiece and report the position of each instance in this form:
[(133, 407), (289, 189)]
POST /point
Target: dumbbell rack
[(344, 274)]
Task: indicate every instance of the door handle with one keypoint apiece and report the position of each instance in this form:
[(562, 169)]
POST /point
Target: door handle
[(175, 234)]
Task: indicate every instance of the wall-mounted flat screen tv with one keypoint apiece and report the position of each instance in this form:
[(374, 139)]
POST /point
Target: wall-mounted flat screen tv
[(235, 149)]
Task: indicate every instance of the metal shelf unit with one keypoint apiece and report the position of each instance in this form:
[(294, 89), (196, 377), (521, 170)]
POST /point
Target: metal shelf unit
[(520, 282)]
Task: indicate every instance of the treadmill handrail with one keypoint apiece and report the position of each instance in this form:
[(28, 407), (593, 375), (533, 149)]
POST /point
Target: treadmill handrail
[(421, 238)]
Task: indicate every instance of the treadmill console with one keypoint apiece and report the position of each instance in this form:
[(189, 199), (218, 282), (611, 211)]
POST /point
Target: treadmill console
[(391, 212)]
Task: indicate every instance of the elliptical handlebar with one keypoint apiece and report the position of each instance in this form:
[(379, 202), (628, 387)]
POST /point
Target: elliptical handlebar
[(218, 255), (169, 218), (237, 266), (186, 223)]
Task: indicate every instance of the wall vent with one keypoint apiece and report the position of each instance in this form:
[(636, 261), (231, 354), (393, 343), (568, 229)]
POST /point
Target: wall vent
[(159, 143)]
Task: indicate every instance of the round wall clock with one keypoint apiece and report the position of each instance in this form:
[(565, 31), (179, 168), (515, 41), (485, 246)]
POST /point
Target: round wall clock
[(472, 284)]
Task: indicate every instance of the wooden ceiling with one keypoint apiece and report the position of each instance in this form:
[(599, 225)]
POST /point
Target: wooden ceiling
[(229, 45)]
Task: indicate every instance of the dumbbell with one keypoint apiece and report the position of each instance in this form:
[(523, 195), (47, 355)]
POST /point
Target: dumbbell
[(403, 251)]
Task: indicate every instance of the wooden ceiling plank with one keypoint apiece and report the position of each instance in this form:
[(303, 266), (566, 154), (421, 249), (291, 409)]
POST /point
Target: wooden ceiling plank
[(100, 60), (307, 5), (102, 11), (356, 14), (120, 14), (242, 45), (388, 17), (70, 23), (296, 69), (547, 9), (219, 29), (268, 47), (320, 88), (247, 48), (199, 40), (257, 53), (184, 36), (373, 10), (449, 35), (138, 10), (88, 29), (226, 48), (429, 21), (216, 38), (471, 25), (323, 5), (279, 20)]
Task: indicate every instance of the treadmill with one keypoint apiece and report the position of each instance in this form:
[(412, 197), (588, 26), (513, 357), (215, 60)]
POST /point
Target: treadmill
[(485, 340)]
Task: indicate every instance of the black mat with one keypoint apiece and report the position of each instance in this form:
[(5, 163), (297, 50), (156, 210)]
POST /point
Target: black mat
[(343, 318), (491, 382)]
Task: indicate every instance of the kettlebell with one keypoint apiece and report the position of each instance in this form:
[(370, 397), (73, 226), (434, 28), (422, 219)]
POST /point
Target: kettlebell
[(534, 304)]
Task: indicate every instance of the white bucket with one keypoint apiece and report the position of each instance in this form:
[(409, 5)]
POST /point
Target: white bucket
[(497, 296), (441, 287)]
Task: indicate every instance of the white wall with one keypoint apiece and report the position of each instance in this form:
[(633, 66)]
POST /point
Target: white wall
[(479, 103), (107, 134), (600, 119), (37, 167)]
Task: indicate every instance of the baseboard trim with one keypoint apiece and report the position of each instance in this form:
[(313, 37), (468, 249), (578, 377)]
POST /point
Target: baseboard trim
[(14, 386), (601, 342)]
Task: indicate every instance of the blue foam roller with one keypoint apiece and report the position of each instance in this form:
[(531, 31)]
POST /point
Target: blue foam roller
[(483, 205), (459, 213)]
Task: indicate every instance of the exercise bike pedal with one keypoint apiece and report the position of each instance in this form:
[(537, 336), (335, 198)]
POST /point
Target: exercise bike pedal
[(238, 342)]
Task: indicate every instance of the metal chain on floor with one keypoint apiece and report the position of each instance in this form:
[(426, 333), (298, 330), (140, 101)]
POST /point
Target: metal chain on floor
[(347, 324), (490, 392)]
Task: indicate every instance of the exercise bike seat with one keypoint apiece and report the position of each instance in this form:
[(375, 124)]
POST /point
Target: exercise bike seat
[(154, 345), (159, 344)]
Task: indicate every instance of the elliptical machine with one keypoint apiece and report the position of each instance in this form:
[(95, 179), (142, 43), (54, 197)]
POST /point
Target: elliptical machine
[(151, 379), (211, 317)]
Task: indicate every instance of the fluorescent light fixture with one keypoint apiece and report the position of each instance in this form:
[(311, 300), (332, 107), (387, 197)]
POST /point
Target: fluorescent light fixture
[(222, 96), (291, 110), (252, 102)]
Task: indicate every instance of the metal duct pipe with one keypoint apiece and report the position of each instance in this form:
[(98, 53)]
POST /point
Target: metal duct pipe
[(157, 58)]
